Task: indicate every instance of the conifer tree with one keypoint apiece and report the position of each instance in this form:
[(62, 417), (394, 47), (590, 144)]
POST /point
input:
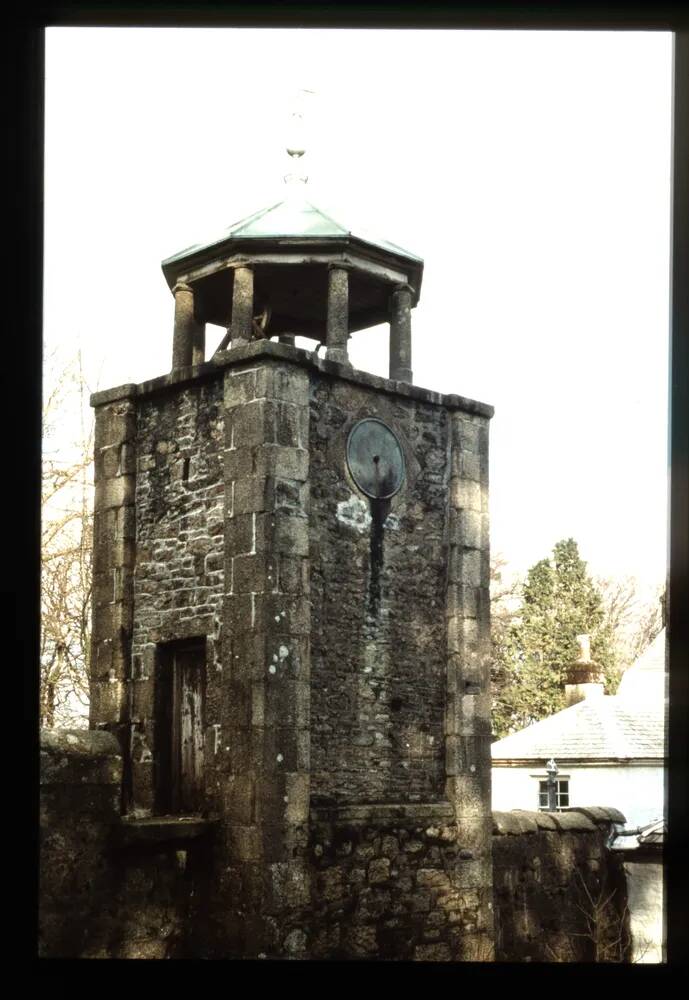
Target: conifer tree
[(559, 601)]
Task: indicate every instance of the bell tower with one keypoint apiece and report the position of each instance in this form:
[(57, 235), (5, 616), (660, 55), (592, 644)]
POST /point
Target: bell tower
[(291, 604)]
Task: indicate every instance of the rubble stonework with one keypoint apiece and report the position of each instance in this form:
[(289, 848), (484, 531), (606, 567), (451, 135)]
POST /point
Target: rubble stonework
[(178, 586), (396, 882), (378, 661)]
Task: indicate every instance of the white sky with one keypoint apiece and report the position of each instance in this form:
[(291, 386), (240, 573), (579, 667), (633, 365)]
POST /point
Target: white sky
[(530, 170)]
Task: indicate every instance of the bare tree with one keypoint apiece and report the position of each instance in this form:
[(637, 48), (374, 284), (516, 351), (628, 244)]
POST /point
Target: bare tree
[(66, 545), (633, 621), (600, 931), (649, 624)]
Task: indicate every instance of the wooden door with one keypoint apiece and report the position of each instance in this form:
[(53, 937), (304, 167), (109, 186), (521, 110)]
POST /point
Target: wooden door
[(188, 674)]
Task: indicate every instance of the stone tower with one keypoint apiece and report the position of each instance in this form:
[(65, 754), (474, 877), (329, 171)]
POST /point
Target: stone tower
[(291, 606)]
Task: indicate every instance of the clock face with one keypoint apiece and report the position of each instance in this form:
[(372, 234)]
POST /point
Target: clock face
[(375, 459)]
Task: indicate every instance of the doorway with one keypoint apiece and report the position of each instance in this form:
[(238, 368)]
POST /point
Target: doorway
[(179, 735)]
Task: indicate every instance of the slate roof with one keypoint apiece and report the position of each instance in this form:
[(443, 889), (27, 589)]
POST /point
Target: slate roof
[(626, 726), (598, 728)]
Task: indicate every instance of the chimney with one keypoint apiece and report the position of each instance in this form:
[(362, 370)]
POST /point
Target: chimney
[(583, 677)]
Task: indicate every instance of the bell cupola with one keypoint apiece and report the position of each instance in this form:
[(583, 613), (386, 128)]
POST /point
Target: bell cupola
[(290, 270)]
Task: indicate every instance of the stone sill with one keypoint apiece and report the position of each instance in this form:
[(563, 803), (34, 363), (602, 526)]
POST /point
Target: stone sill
[(162, 829), (385, 814)]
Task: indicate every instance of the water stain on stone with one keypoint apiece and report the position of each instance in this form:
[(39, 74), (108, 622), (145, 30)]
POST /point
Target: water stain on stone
[(379, 512)]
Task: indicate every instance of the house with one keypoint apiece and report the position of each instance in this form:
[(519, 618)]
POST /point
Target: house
[(607, 748), (610, 749), (642, 854)]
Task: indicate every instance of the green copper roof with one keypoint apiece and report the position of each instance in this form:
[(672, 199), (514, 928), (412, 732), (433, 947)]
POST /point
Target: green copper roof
[(288, 218), (295, 218)]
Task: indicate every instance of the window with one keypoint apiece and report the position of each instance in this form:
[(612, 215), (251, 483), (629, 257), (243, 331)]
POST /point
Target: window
[(561, 794), (179, 724)]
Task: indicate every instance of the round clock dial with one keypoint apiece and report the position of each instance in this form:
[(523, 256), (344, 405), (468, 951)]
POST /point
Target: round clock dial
[(375, 459)]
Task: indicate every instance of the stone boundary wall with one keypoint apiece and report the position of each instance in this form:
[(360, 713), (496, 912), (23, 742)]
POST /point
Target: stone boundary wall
[(560, 894), (98, 899)]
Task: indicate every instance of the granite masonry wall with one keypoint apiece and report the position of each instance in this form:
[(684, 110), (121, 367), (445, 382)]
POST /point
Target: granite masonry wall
[(347, 648)]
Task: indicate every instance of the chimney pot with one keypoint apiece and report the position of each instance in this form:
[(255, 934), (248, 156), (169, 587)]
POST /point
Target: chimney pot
[(584, 642), (583, 677)]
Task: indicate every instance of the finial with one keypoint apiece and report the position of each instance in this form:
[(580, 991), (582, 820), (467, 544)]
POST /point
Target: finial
[(296, 137)]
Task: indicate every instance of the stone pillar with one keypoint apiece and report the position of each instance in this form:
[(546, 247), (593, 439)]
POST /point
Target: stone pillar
[(263, 881), (114, 530), (400, 334), (188, 344), (198, 345), (242, 306), (337, 329), (467, 720)]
